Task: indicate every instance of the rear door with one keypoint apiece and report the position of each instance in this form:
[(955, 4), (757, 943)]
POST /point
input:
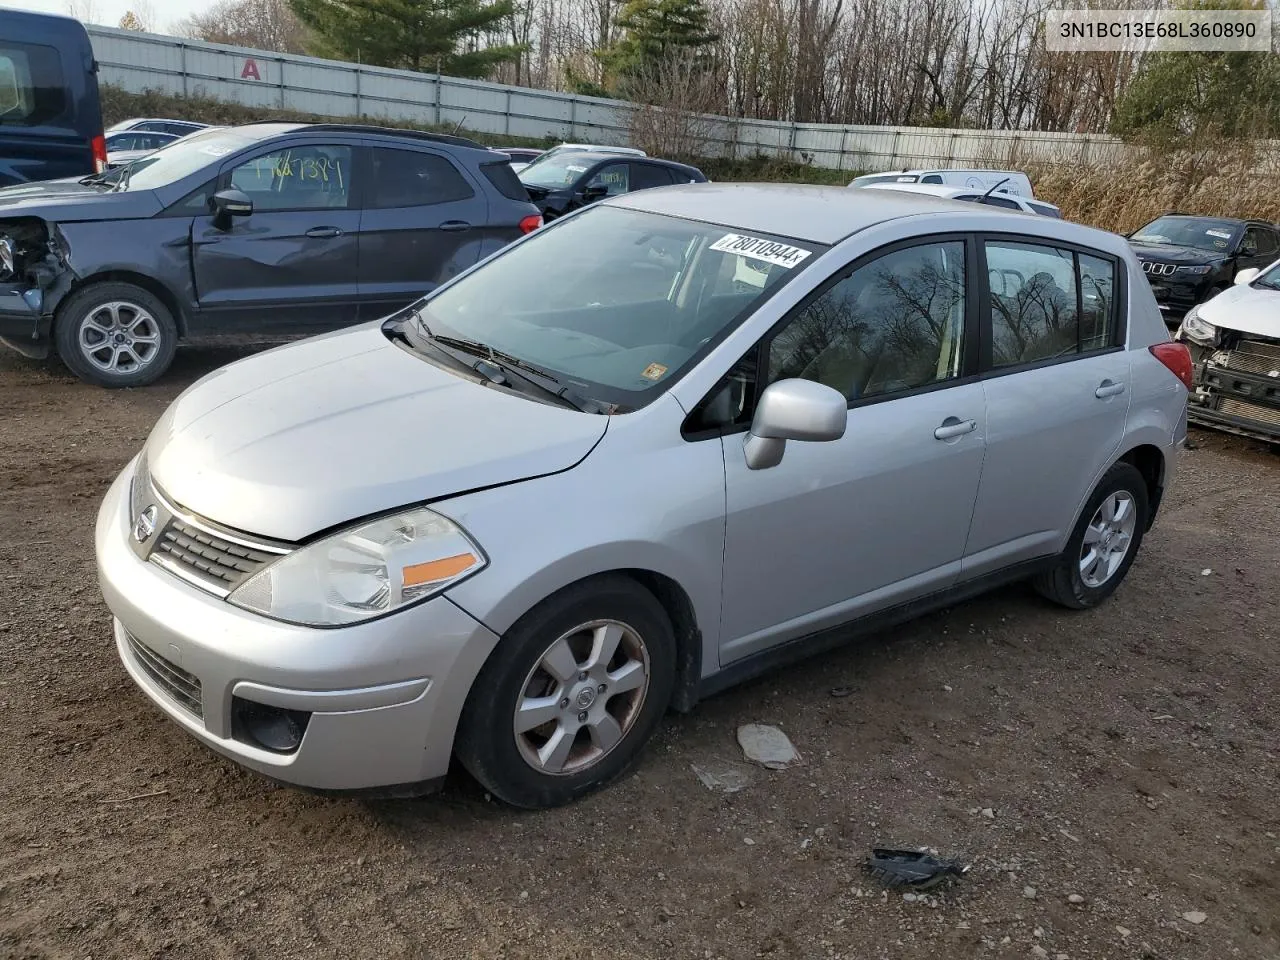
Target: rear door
[(294, 261), (424, 222), (1056, 379)]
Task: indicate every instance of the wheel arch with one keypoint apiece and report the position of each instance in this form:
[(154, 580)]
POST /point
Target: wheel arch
[(150, 284), (1148, 460)]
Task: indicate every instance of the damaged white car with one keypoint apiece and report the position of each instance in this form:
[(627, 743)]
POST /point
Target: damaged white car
[(1234, 340)]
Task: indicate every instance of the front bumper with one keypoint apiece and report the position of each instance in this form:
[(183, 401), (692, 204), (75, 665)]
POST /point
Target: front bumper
[(1175, 295), (380, 700), (23, 325), (1236, 401)]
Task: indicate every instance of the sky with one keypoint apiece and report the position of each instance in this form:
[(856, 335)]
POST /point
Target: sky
[(162, 13)]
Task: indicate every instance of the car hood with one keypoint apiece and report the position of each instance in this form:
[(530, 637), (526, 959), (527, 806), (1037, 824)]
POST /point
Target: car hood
[(66, 200), (1245, 308), (1168, 253), (318, 433)]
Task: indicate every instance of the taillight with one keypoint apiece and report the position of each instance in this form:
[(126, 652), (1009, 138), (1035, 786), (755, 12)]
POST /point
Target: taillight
[(99, 146), (531, 223), (1177, 358)]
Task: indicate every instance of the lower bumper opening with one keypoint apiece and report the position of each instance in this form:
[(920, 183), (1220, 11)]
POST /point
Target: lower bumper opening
[(267, 727)]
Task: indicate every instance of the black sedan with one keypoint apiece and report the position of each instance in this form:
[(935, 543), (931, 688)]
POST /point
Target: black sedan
[(569, 180), (264, 227), (1189, 260)]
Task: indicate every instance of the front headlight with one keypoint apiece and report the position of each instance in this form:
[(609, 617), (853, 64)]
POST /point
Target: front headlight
[(1198, 330), (364, 572), (1199, 270)]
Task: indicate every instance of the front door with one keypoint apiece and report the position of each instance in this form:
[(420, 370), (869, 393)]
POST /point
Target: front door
[(293, 262), (1057, 387), (841, 529)]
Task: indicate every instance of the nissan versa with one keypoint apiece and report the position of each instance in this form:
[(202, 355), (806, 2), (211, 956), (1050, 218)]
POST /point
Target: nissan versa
[(669, 442)]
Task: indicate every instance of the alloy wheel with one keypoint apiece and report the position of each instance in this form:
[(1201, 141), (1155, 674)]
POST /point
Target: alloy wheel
[(1108, 538), (582, 697), (119, 337)]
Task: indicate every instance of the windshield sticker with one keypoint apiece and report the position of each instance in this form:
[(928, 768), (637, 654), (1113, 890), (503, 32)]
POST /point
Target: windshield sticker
[(653, 371), (1222, 234), (576, 169), (757, 248)]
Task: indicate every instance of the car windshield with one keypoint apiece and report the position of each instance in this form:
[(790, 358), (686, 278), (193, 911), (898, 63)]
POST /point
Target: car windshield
[(551, 172), (181, 158), (1269, 279), (1200, 233), (616, 304)]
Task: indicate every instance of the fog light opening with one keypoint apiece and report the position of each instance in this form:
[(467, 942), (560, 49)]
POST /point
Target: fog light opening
[(270, 728)]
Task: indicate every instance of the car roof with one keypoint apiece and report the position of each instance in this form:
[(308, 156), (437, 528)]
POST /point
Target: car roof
[(828, 215), (593, 156), (262, 129)]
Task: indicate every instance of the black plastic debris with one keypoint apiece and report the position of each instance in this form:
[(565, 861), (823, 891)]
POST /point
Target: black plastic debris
[(912, 868)]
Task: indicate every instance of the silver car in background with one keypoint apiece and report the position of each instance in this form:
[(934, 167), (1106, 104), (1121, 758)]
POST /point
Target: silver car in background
[(670, 442)]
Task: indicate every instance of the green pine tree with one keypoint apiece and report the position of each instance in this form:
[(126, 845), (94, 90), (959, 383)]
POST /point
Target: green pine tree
[(426, 35), (653, 31)]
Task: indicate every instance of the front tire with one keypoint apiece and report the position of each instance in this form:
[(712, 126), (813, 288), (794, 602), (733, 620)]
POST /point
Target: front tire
[(1103, 544), (574, 690), (116, 335)]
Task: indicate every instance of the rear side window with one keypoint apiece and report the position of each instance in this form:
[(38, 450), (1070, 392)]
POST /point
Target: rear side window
[(1048, 303), (409, 178), (994, 201), (646, 175), (505, 181), (32, 87), (1045, 210), (931, 178)]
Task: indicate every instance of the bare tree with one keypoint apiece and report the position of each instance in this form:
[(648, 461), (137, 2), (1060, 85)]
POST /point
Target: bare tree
[(262, 24), (86, 11)]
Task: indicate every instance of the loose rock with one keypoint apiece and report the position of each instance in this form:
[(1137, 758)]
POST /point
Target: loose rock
[(1029, 892), (767, 746), (1075, 898), (1195, 916)]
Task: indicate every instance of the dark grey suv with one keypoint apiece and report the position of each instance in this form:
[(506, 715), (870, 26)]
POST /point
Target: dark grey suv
[(264, 227)]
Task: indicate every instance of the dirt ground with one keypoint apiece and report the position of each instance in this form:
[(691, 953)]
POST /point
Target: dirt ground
[(1125, 756)]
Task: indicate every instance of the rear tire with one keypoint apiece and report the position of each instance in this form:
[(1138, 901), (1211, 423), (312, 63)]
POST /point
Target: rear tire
[(115, 334), (1112, 522), (571, 694)]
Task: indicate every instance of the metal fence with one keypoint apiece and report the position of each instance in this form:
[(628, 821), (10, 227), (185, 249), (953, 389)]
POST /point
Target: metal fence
[(138, 62)]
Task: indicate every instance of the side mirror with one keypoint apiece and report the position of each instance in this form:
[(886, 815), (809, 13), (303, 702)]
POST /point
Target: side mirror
[(1245, 276), (228, 204), (595, 192), (793, 410)]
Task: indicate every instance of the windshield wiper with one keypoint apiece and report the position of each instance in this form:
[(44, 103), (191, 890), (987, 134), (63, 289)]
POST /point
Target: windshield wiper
[(526, 371)]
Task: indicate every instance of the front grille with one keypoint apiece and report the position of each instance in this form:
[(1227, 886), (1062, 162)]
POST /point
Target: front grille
[(197, 552), (1153, 268), (1254, 356), (1249, 411), (183, 687)]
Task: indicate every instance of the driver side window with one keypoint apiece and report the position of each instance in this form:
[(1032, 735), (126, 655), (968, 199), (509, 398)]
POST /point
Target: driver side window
[(615, 178), (309, 177)]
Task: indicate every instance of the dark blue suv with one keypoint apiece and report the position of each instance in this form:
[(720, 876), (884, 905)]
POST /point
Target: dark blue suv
[(267, 227), (50, 117)]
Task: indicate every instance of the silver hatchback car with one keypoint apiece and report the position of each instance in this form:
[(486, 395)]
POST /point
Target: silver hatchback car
[(667, 443)]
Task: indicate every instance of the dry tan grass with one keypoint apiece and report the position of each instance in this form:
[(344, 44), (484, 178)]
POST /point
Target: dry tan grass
[(1122, 199)]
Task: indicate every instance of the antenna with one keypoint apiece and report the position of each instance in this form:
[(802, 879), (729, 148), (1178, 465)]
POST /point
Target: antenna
[(458, 126), (993, 189)]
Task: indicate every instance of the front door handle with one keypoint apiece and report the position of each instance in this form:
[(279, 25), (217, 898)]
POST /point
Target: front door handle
[(455, 226), (953, 427), (1108, 388), (324, 233)]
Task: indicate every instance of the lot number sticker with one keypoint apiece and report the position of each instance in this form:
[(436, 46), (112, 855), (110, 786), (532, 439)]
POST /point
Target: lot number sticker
[(757, 248)]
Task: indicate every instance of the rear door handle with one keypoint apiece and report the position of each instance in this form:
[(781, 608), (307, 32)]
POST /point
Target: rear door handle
[(324, 233), (953, 427), (1108, 388), (455, 226)]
